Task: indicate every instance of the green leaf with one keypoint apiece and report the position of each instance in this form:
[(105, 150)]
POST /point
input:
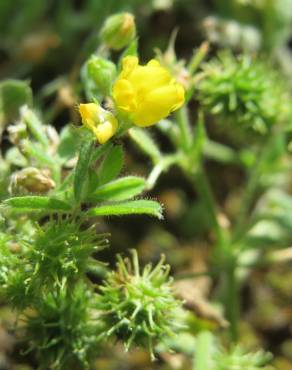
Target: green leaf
[(13, 95), (69, 143), (13, 156), (37, 152), (35, 127), (145, 143), (100, 151), (118, 190), (148, 207), (81, 170), (36, 203), (111, 165), (93, 176)]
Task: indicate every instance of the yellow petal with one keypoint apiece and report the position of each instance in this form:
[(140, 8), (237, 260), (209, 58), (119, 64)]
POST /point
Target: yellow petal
[(88, 111), (89, 114), (153, 63), (105, 131), (129, 63), (180, 96), (100, 121), (159, 104), (148, 92), (146, 78), (124, 95)]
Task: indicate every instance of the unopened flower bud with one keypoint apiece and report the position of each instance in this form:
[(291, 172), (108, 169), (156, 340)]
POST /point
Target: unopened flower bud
[(33, 180), (118, 30), (102, 72), (98, 120)]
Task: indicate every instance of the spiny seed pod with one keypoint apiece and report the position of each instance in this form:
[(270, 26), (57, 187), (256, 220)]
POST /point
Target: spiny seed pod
[(62, 330), (139, 306), (243, 90), (58, 252), (33, 180), (118, 30)]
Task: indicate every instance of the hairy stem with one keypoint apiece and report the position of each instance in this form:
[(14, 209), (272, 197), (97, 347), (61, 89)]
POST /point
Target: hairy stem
[(252, 187), (182, 119), (232, 298), (203, 188), (204, 349)]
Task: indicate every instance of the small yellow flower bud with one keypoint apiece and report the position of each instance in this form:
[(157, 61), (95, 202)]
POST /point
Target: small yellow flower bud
[(100, 121), (147, 93), (118, 30)]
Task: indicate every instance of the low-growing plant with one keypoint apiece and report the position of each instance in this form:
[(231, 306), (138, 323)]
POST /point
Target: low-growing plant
[(57, 186)]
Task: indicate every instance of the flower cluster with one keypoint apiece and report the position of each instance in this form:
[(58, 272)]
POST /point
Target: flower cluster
[(146, 94)]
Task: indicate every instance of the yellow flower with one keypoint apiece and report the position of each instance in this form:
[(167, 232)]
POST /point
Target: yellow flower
[(148, 93), (100, 121)]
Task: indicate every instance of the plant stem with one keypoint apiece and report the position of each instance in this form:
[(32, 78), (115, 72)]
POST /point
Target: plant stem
[(203, 188), (162, 165), (204, 349), (197, 174), (182, 119), (232, 298), (247, 200), (242, 221), (223, 251)]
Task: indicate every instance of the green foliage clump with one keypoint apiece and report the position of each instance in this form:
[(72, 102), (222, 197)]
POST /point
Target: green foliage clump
[(210, 354), (237, 358), (62, 329), (7, 258), (60, 252), (138, 306), (243, 90)]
